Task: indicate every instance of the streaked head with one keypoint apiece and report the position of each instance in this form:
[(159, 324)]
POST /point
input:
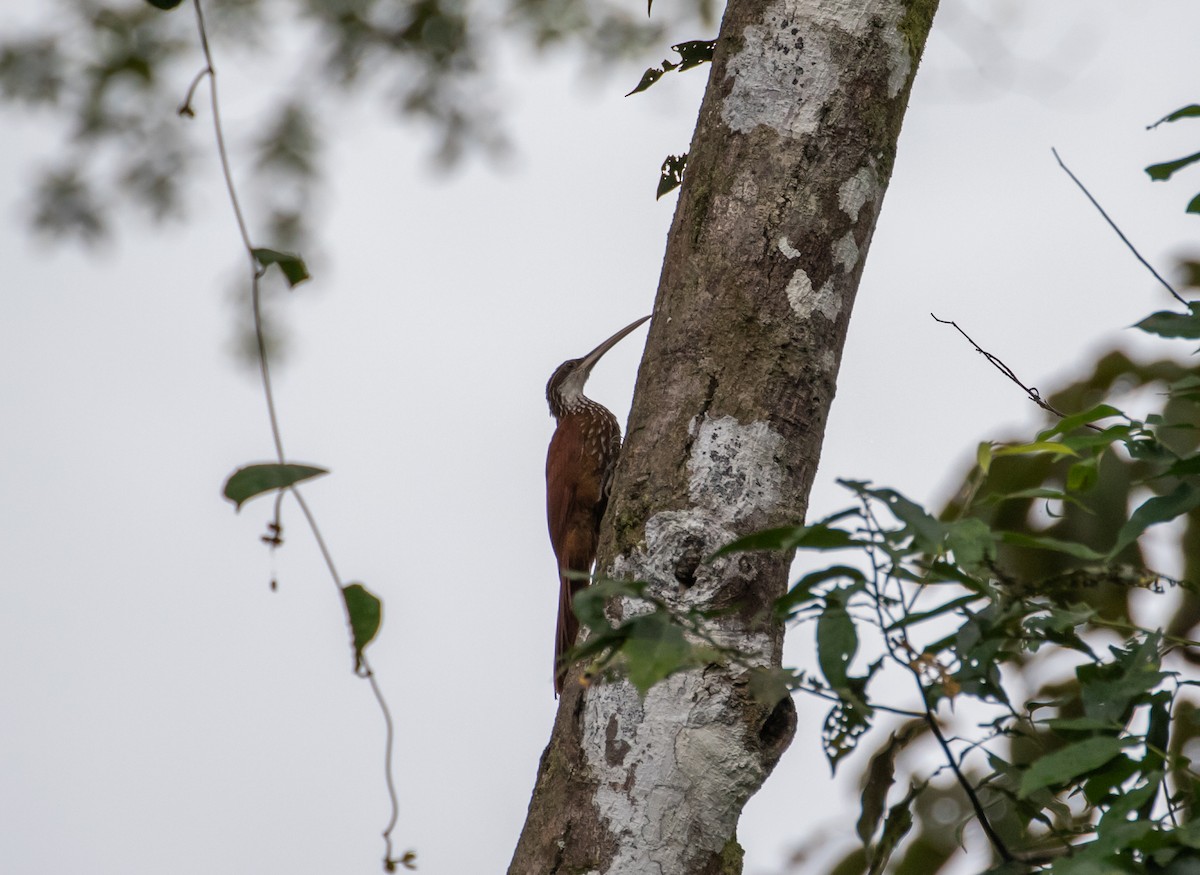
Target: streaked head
[(565, 389)]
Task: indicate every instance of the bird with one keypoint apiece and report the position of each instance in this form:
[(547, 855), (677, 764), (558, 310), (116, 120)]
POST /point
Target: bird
[(579, 470)]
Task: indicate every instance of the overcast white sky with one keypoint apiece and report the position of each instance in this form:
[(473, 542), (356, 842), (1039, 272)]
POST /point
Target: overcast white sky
[(161, 710)]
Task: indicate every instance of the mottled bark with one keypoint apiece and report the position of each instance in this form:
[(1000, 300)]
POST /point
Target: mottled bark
[(786, 175)]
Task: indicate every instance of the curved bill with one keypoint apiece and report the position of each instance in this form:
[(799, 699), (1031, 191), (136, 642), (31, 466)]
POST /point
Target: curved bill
[(586, 363)]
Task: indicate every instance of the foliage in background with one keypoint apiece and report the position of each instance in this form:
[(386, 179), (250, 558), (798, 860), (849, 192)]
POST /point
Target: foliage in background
[(115, 71), (1024, 668), (1165, 170), (1012, 615)]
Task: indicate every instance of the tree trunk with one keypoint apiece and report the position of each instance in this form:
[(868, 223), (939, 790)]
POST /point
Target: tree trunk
[(788, 166)]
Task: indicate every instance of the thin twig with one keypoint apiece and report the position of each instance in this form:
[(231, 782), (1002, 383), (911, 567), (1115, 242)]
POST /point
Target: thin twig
[(185, 108), (211, 71), (388, 747), (367, 672), (976, 804), (255, 268), (264, 370), (834, 697), (1166, 285), (1030, 391), (257, 271)]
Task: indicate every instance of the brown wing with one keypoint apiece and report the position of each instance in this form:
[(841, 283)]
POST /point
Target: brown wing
[(562, 472), (576, 472)]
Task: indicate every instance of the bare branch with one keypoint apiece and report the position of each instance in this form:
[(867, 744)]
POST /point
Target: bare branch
[(1166, 285), (1030, 391)]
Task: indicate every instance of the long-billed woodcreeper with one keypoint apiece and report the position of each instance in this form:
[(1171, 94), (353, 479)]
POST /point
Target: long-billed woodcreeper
[(579, 469)]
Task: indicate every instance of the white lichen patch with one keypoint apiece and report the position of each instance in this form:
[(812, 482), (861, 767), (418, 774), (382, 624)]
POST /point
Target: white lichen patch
[(827, 361), (789, 51), (672, 775), (788, 250), (792, 52), (734, 470), (856, 191), (801, 294), (805, 300), (845, 252)]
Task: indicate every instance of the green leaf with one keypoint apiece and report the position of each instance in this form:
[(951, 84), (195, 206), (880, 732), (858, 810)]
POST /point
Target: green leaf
[(655, 648), (1189, 386), (1084, 474), (770, 685), (1071, 762), (1159, 509), (1058, 625), (1074, 421), (1184, 468), (881, 774), (825, 538), (1147, 449), (1193, 205), (365, 612), (671, 175), (1037, 448), (1160, 172), (1167, 324), (927, 530), (768, 539), (920, 616), (692, 53), (802, 591), (1126, 804), (1107, 779), (1098, 440), (1036, 492), (814, 537), (1158, 735), (948, 572), (589, 602), (1189, 111), (972, 543), (293, 266), (983, 456), (245, 483), (164, 4), (845, 724), (1111, 691), (652, 75), (899, 822), (1038, 542), (1082, 724), (837, 640)]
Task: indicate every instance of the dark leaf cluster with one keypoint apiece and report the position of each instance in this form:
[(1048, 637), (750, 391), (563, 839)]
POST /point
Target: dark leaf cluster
[(111, 73), (1089, 772)]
